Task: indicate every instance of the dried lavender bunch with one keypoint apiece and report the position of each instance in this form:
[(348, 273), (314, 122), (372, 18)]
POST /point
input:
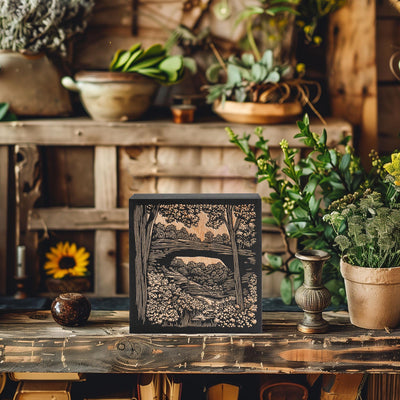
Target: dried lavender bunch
[(41, 25)]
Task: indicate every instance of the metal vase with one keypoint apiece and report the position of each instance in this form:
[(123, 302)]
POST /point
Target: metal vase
[(312, 297)]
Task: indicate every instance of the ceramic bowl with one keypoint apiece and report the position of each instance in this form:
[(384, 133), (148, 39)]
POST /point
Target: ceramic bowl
[(113, 96)]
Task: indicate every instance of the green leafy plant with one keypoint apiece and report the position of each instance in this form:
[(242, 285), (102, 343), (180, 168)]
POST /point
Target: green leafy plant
[(153, 62), (5, 113), (40, 25), (270, 18), (367, 224), (263, 81), (301, 191)]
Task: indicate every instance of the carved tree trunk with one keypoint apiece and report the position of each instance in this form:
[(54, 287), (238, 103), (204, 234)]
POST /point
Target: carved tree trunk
[(235, 256), (143, 229)]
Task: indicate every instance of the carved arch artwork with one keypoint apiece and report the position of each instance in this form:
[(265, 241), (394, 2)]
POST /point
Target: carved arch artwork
[(195, 263)]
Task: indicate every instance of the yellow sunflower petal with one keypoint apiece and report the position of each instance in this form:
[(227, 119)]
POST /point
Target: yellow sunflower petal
[(80, 252), (60, 247), (82, 258), (72, 250), (65, 249)]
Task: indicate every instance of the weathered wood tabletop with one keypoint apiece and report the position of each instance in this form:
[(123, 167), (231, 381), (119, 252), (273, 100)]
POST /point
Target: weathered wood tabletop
[(33, 342)]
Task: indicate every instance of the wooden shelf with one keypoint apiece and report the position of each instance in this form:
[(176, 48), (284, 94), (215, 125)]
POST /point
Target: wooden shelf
[(33, 342), (86, 132)]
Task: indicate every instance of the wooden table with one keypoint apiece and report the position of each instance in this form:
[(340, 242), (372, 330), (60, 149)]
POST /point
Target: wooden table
[(32, 341)]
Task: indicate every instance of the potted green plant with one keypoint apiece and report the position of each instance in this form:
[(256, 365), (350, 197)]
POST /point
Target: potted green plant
[(367, 229), (265, 80), (33, 45), (126, 90), (329, 201), (258, 92)]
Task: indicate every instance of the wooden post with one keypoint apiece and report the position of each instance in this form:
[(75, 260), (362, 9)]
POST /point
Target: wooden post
[(3, 217), (352, 71), (105, 189), (27, 191)]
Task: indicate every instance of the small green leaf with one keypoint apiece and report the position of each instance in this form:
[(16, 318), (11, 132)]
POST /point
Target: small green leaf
[(119, 59), (135, 47), (295, 266), (3, 110), (298, 281), (344, 163), (322, 139), (144, 63), (314, 205), (269, 221), (286, 290), (268, 59), (275, 261), (248, 59), (234, 76), (273, 77)]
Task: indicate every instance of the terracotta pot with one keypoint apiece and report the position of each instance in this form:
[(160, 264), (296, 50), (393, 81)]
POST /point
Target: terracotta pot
[(258, 113), (113, 96), (372, 295), (32, 85)]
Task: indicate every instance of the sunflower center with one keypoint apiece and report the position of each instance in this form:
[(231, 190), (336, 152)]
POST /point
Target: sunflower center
[(67, 263)]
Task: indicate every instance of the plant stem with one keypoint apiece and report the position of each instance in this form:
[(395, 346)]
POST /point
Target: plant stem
[(252, 41)]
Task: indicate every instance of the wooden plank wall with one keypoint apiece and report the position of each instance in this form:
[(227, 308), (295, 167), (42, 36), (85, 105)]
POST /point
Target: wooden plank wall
[(88, 179), (119, 23), (388, 42)]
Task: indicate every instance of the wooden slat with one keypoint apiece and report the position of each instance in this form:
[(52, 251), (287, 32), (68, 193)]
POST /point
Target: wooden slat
[(388, 42), (69, 176), (384, 8), (105, 178), (78, 219), (192, 168), (186, 159), (33, 342), (3, 217), (389, 118), (85, 132)]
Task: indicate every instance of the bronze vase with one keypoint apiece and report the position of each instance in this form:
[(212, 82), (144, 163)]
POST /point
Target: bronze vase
[(312, 297)]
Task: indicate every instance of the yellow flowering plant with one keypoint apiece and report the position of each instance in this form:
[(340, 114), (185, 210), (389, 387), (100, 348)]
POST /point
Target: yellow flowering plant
[(270, 19), (66, 260), (304, 192)]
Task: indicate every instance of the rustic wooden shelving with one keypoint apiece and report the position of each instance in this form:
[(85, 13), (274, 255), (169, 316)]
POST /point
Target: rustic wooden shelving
[(32, 341), (156, 156)]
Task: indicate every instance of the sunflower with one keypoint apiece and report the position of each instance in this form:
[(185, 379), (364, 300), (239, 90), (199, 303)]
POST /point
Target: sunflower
[(65, 261)]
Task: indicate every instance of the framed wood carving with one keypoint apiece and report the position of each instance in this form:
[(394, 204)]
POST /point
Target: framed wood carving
[(195, 263)]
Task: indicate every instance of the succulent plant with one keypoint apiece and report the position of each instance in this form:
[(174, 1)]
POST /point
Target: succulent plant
[(153, 62)]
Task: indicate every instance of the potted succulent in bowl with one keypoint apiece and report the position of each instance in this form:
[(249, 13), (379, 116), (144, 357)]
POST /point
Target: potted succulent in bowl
[(258, 92), (126, 91), (33, 39), (367, 228)]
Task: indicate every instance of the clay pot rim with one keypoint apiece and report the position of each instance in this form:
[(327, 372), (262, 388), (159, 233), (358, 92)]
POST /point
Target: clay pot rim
[(110, 77), (369, 276)]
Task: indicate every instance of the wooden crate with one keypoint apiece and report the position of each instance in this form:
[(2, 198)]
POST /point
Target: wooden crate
[(90, 169)]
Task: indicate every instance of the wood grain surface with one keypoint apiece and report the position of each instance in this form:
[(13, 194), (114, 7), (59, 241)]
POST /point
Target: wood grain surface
[(32, 341)]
